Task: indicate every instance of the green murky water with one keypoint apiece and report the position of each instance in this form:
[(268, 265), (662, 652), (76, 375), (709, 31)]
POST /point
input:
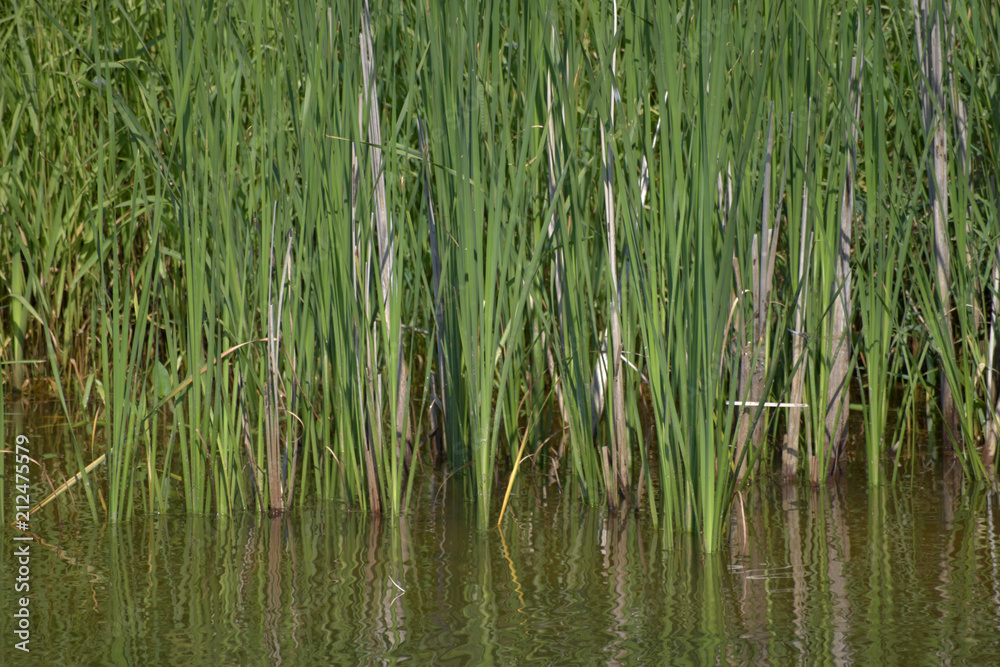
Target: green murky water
[(905, 575)]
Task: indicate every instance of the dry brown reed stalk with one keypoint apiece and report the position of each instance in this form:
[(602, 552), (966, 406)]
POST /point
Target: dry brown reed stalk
[(620, 477), (68, 484), (369, 103), (838, 392), (273, 395), (617, 476), (790, 453), (386, 254), (513, 473), (753, 372), (930, 18), (363, 361), (992, 398)]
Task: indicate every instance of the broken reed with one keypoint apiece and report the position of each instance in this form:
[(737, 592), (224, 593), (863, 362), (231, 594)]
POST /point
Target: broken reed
[(334, 246)]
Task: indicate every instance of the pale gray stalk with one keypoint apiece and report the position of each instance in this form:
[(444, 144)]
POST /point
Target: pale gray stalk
[(790, 452), (930, 22), (838, 392)]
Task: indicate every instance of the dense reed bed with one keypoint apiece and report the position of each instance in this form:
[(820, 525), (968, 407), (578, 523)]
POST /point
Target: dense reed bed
[(642, 247)]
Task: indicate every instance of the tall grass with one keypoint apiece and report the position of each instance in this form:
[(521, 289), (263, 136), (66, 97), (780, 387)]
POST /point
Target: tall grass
[(332, 247), (578, 259), (883, 249)]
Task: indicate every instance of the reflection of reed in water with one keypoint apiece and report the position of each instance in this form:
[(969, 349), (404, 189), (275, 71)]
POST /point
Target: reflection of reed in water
[(758, 574), (614, 537), (839, 553), (790, 510), (559, 585)]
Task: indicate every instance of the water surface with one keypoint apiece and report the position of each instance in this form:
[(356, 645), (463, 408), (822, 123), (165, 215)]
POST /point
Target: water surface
[(902, 575)]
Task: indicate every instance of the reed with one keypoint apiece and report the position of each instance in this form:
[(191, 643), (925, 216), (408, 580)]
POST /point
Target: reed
[(482, 137), (693, 394), (331, 248), (578, 365), (951, 282), (824, 184), (882, 254)]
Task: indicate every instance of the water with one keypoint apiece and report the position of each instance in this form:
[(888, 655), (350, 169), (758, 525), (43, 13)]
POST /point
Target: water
[(842, 575)]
